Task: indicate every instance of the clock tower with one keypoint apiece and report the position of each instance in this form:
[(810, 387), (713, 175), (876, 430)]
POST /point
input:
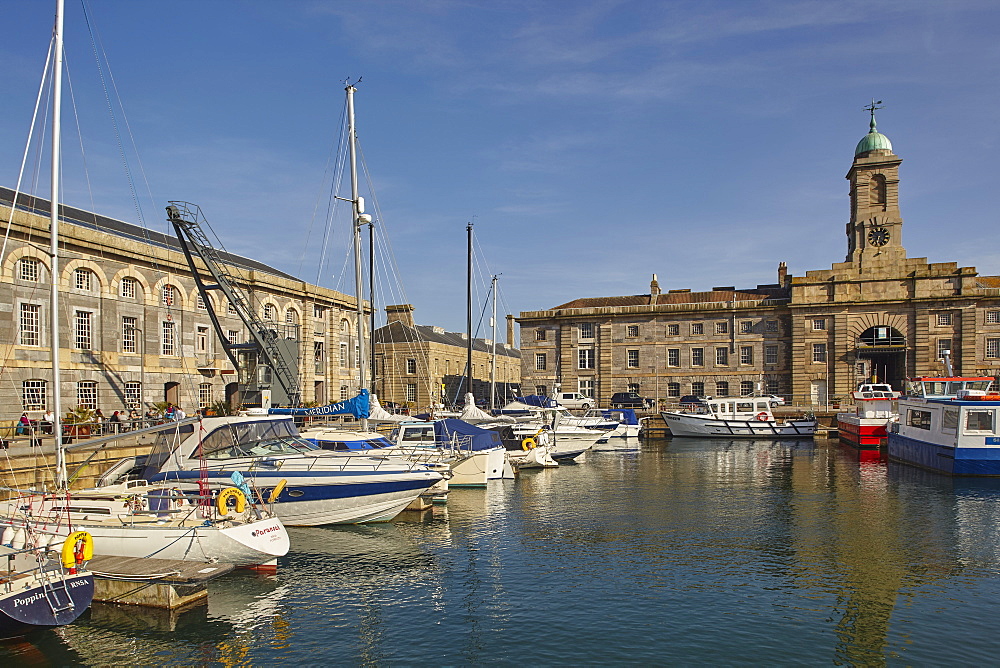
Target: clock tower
[(874, 235)]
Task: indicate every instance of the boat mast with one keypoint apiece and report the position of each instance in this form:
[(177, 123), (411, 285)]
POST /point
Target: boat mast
[(57, 60), (493, 361), (359, 220), (468, 313)]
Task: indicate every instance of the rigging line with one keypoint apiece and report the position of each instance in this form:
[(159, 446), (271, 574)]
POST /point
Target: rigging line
[(27, 150), (334, 161), (111, 111), (332, 204)]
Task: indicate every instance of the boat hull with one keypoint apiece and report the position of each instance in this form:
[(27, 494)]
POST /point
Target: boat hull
[(328, 498), (864, 433), (684, 424), (963, 461), (23, 610)]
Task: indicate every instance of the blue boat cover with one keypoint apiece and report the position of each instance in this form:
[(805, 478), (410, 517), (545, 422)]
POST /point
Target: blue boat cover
[(358, 407), (537, 400), (482, 439), (627, 415)]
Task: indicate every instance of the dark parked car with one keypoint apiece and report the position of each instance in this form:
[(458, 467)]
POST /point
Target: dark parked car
[(693, 401), (629, 400)]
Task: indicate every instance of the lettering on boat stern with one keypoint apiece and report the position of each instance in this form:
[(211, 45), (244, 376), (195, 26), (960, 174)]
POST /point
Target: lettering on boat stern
[(260, 532)]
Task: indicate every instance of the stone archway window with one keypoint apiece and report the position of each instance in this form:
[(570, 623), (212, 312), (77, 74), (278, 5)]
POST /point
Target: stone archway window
[(876, 190), (881, 336)]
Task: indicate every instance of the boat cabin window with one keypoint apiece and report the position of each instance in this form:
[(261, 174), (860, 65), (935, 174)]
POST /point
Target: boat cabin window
[(254, 439), (918, 419), (420, 433), (763, 406), (744, 407), (978, 421), (949, 421)]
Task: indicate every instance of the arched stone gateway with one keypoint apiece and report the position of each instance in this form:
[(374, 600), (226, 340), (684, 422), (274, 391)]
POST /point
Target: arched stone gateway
[(880, 356)]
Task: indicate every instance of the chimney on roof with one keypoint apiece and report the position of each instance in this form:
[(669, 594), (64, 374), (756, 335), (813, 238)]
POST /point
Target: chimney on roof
[(654, 290), (782, 275), (510, 330), (400, 312)]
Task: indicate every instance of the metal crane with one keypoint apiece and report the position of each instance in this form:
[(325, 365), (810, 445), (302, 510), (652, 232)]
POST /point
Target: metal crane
[(268, 363)]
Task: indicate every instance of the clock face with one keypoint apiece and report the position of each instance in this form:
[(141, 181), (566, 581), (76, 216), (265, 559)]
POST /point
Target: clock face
[(878, 236)]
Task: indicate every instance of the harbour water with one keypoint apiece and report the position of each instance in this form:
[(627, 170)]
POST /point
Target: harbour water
[(676, 552)]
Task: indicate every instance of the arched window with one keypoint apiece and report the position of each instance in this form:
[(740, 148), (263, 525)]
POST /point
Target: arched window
[(34, 395), (126, 288), (876, 190), (29, 269), (168, 295), (291, 316), (269, 312), (345, 326), (83, 279)]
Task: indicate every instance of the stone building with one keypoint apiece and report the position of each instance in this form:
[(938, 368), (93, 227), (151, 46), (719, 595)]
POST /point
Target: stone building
[(133, 328), (418, 366), (812, 338)]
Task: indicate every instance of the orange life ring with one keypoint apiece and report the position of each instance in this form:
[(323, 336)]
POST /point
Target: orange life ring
[(761, 417)]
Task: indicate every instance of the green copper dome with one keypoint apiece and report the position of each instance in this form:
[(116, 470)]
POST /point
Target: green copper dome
[(874, 140)]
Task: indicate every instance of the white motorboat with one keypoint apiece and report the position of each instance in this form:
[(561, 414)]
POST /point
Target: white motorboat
[(323, 486), (475, 455), (737, 417)]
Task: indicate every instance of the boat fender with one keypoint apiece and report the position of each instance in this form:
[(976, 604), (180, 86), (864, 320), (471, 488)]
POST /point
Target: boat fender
[(761, 417), (7, 537), (78, 548), (222, 501), (276, 492), (528, 443)]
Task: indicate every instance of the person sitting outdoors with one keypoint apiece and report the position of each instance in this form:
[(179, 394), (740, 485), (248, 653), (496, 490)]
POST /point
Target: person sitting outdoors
[(48, 420), (115, 422), (23, 425)]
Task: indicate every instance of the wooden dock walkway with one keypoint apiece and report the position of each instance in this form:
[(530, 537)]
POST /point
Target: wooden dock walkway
[(156, 583)]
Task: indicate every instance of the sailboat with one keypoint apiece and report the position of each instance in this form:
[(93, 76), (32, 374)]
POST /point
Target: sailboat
[(129, 522)]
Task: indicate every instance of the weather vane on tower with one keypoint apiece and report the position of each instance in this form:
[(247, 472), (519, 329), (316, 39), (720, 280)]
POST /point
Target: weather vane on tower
[(872, 107)]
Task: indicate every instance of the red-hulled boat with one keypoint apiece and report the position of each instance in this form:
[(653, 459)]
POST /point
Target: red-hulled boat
[(867, 427)]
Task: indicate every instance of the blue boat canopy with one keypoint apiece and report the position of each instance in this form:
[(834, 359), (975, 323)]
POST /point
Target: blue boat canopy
[(481, 439), (623, 415), (538, 400)]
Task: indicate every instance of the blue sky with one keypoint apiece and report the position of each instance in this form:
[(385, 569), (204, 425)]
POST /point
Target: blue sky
[(592, 143)]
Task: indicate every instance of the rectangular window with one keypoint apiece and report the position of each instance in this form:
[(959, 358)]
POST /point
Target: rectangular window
[(128, 334), (942, 346), (201, 339), (539, 334), (86, 394), (411, 366), (722, 356), (992, 348), (83, 279), (632, 331), (746, 354), (540, 361), (632, 359), (343, 355), (33, 395), (746, 326), (27, 269), (944, 318), (722, 327), (949, 421), (819, 323), (697, 328), (697, 357), (918, 419), (698, 389), (673, 329), (83, 328), (587, 330), (770, 354), (204, 395), (319, 357), (585, 386), (541, 390), (673, 357), (771, 386), (319, 312), (234, 336), (722, 389), (633, 388), (673, 389), (819, 352), (133, 394), (30, 325), (992, 317), (979, 421), (169, 342), (586, 358), (411, 391), (746, 388), (770, 325)]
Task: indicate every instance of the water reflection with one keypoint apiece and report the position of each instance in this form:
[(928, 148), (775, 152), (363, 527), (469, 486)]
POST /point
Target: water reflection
[(682, 551)]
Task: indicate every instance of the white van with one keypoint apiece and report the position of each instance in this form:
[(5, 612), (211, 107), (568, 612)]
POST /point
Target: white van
[(574, 400)]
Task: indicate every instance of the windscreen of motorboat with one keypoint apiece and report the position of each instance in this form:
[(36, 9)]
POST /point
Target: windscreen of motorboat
[(266, 438), (166, 442)]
